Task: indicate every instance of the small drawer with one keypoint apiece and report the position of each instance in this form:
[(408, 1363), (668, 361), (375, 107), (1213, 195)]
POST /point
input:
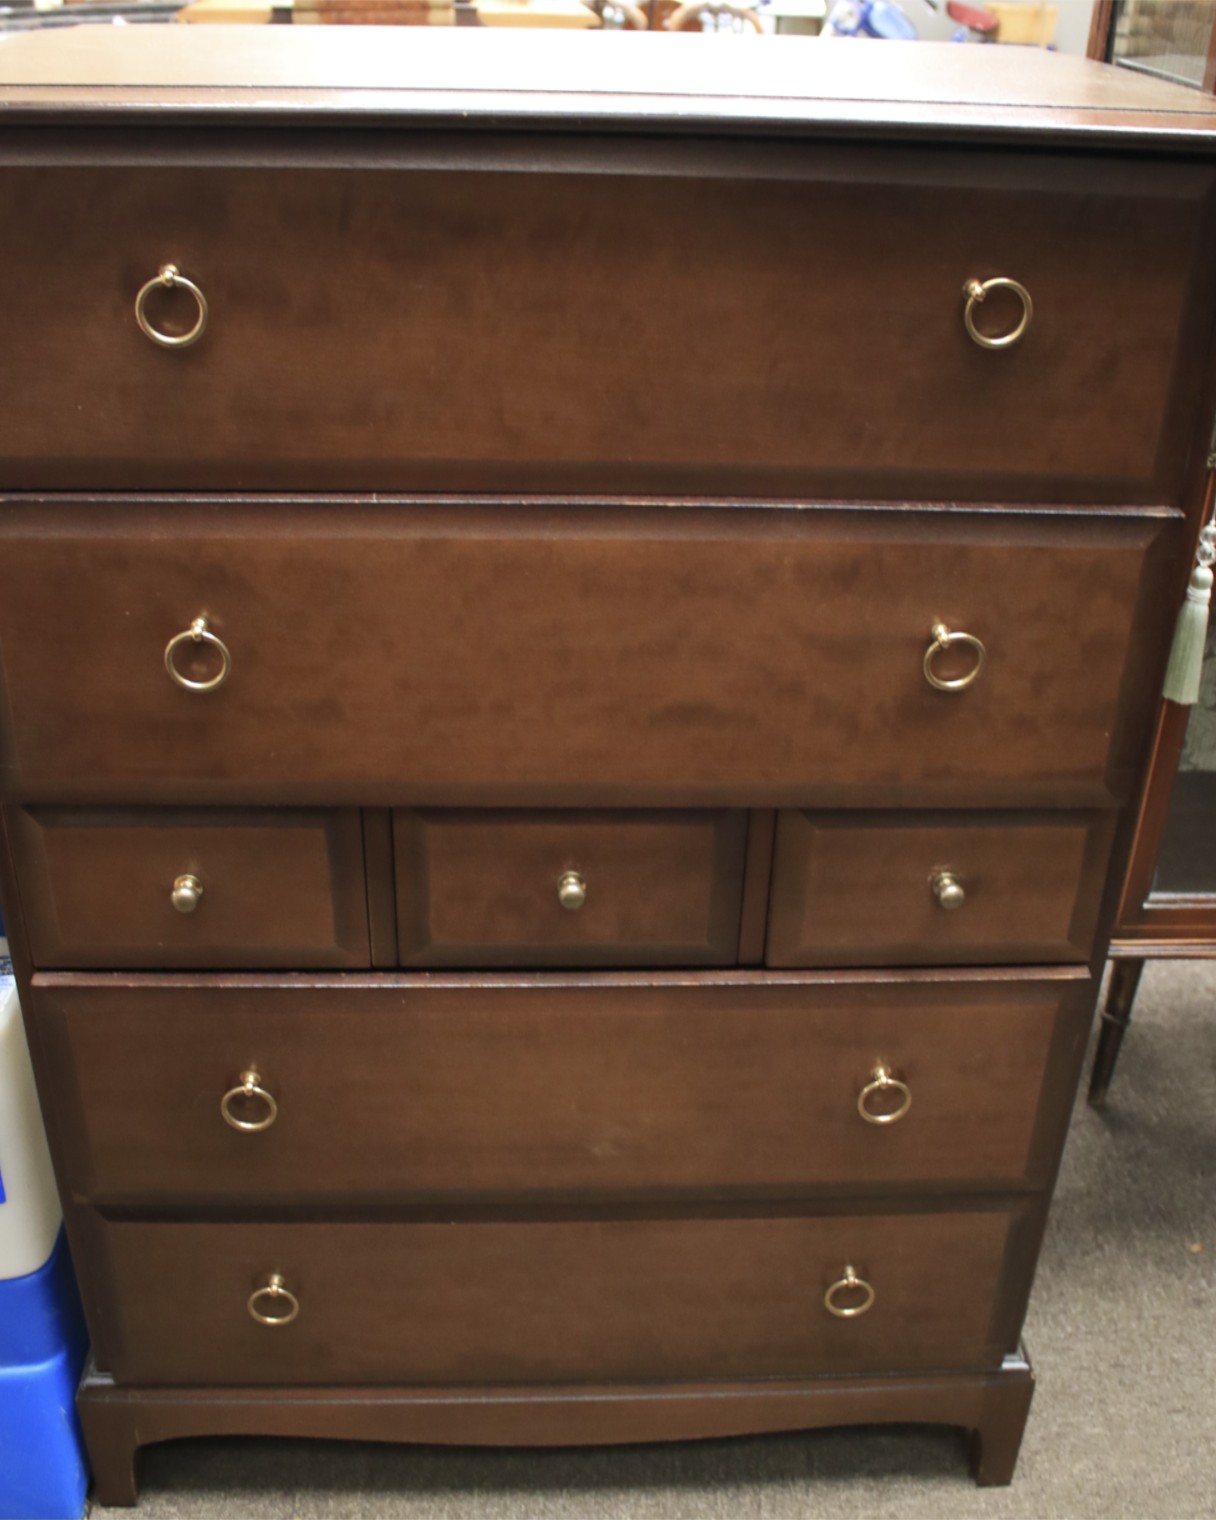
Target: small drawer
[(592, 1300), (571, 1089), (911, 889), (192, 888), (568, 888)]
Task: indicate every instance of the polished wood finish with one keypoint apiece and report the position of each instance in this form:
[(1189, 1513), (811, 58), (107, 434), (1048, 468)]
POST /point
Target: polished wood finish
[(118, 1420), (551, 1088), (549, 1301), (279, 888), (555, 84), (482, 888), (857, 889), (533, 331), (582, 654), (485, 530)]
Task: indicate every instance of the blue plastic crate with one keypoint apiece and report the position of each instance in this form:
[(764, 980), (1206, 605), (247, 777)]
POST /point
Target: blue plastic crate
[(43, 1343)]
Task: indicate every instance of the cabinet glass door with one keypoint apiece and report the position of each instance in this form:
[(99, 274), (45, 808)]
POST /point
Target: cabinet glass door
[(1186, 860), (1169, 38)]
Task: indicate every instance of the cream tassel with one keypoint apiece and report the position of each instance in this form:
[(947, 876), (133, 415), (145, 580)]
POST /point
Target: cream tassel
[(1185, 667)]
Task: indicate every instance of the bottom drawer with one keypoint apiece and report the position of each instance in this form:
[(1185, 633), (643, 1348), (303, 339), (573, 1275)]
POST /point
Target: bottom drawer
[(597, 1301)]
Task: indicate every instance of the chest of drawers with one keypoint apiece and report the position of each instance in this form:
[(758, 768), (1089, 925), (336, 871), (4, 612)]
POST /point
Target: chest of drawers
[(564, 757)]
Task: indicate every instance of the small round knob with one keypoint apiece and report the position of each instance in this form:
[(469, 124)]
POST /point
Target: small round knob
[(882, 1082), (249, 1096), (948, 890), (572, 891), (187, 890), (847, 1287), (273, 1302)]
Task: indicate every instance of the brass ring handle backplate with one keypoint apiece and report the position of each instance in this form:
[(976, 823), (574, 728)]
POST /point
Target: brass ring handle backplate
[(249, 1087), (169, 277), (273, 1303), (977, 292), (849, 1283), (945, 638), (883, 1082), (198, 633)]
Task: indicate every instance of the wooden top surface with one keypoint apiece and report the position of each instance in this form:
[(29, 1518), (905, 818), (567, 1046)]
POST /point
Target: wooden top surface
[(467, 76)]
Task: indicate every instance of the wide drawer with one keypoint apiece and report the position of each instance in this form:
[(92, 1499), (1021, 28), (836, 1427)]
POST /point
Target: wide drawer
[(192, 888), (568, 888), (914, 889), (401, 315), (545, 1301), (545, 655), (548, 1086)]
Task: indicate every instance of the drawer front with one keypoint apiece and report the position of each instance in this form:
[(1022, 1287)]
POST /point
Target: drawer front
[(601, 1301), (574, 888), (552, 1087), (912, 889), (359, 337), (190, 888), (534, 655)]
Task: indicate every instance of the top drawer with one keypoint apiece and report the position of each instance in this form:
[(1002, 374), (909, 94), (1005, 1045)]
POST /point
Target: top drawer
[(582, 317), (512, 656)]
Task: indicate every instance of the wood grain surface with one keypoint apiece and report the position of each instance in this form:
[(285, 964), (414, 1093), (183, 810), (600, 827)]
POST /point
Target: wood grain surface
[(562, 655), (498, 1090)]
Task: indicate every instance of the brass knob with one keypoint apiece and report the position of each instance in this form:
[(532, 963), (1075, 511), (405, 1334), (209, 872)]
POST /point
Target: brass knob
[(849, 1283), (273, 1302), (948, 890), (977, 292), (945, 638), (187, 890), (881, 1081), (170, 277), (572, 891), (249, 1090), (198, 633)]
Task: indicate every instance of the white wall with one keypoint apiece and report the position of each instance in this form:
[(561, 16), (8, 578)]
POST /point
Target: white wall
[(1072, 22)]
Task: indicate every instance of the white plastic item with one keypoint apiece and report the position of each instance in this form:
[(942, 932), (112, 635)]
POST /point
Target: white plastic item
[(29, 1210)]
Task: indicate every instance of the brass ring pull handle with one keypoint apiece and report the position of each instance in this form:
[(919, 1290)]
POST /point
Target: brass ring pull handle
[(187, 893), (249, 1089), (849, 1283), (572, 891), (198, 633), (944, 638), (883, 1082), (169, 277), (948, 890), (977, 292), (273, 1303)]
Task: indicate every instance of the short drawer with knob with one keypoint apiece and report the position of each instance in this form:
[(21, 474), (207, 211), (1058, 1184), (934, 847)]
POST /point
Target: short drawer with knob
[(193, 887), (873, 889)]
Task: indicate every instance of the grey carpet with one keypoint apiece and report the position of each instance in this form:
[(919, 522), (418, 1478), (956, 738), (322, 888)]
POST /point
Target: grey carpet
[(1122, 1332)]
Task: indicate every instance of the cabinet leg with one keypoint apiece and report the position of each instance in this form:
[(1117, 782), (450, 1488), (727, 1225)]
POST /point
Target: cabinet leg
[(996, 1441), (1116, 1016), (110, 1439)]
